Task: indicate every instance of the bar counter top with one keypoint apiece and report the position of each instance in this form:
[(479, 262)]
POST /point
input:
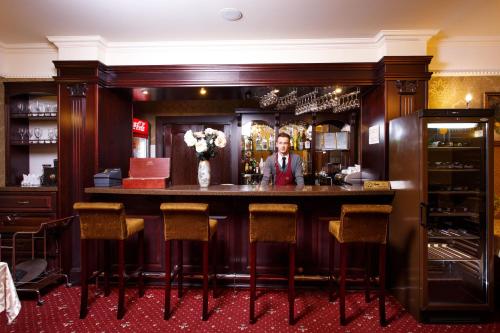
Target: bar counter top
[(247, 191)]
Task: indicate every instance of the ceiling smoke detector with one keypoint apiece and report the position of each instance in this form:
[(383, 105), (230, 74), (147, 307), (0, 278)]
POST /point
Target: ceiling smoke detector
[(231, 14)]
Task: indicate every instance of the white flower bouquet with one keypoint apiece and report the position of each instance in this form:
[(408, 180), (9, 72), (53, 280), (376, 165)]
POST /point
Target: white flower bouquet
[(205, 142)]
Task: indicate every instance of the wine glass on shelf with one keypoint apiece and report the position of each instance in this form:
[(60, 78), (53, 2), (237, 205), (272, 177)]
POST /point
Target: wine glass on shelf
[(20, 108), (30, 135), (38, 133), (22, 132), (51, 135)]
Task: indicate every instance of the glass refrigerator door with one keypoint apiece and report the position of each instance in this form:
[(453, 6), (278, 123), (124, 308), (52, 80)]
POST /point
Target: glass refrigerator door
[(457, 213)]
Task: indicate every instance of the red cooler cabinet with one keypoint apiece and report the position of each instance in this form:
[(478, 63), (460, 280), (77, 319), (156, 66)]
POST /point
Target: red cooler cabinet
[(441, 230)]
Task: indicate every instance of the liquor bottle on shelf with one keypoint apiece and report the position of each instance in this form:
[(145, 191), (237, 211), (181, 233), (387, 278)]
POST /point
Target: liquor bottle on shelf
[(271, 142), (263, 143), (248, 143), (258, 142), (300, 139), (307, 143), (261, 165)]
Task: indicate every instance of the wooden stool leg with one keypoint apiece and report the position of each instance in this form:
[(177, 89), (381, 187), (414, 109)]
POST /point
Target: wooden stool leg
[(83, 277), (291, 283), (121, 278), (331, 267), (107, 267), (141, 262), (253, 250), (166, 314), (343, 269), (214, 259), (381, 299), (367, 271), (205, 281), (180, 267)]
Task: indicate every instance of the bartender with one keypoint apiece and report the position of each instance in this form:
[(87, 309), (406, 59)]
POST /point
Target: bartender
[(285, 168)]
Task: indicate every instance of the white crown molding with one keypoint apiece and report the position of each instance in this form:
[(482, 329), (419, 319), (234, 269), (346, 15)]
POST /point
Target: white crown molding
[(457, 56), (466, 73), (386, 42), (80, 47), (465, 56)]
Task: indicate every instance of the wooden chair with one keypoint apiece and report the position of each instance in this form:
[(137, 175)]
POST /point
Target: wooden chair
[(360, 224), (106, 221)]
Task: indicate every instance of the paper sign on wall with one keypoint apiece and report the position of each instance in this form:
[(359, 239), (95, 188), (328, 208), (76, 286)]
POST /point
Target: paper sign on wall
[(374, 134)]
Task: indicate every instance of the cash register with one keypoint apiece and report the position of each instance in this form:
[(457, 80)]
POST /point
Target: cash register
[(109, 177)]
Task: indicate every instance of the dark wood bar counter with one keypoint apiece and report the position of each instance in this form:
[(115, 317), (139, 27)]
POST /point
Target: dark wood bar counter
[(247, 191), (229, 204)]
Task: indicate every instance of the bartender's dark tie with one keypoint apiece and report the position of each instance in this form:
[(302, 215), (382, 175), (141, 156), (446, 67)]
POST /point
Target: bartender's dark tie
[(283, 163)]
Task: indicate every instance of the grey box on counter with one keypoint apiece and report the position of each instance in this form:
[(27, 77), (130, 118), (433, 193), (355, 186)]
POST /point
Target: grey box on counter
[(107, 178)]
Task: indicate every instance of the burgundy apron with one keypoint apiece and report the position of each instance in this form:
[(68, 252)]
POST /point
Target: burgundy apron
[(284, 177)]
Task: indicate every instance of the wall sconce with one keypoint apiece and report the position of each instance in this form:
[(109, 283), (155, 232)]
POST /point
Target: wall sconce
[(468, 99)]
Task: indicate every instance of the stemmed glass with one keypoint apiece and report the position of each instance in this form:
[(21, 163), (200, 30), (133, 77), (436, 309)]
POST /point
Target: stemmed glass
[(38, 133), (30, 135), (22, 132), (51, 135)]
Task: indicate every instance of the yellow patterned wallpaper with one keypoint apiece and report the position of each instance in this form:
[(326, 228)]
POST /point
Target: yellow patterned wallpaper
[(450, 91)]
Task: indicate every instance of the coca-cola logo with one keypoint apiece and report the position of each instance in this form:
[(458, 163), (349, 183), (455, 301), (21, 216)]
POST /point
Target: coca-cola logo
[(140, 126)]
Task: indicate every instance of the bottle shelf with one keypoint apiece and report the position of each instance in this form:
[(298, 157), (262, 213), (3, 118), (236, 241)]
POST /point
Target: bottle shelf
[(32, 142), (452, 148), (445, 252), (455, 214), (35, 116), (450, 234), (478, 193), (453, 170)]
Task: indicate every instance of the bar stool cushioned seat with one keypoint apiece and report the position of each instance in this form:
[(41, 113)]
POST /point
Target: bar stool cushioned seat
[(107, 221), (363, 224), (273, 223), (188, 221)]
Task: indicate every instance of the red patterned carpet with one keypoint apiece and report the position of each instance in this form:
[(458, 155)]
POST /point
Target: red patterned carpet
[(228, 313)]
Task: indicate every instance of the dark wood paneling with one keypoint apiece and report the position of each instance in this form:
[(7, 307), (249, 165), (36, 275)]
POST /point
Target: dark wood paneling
[(242, 75), (115, 129), (374, 155), (184, 164)]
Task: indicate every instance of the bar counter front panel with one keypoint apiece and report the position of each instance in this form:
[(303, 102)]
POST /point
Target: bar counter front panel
[(229, 204)]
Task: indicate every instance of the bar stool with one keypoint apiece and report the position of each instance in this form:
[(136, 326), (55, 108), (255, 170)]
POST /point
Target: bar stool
[(188, 221), (273, 223), (363, 224), (106, 221)]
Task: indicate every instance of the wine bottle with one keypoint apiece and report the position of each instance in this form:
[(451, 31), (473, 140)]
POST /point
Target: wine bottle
[(300, 140)]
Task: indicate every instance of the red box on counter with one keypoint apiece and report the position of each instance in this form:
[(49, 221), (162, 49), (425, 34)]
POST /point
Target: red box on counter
[(148, 173)]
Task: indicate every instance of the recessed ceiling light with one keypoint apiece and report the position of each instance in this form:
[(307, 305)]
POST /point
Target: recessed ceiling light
[(203, 91), (231, 14)]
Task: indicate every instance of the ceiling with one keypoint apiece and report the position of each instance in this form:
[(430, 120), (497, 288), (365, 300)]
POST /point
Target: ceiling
[(31, 21)]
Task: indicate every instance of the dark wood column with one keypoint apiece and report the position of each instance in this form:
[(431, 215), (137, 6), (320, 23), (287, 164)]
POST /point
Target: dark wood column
[(401, 89), (77, 95)]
